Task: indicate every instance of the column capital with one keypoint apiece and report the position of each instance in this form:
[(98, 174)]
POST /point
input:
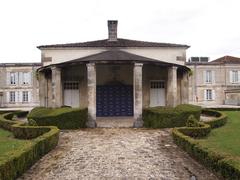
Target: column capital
[(138, 64), (174, 67), (55, 68), (90, 64)]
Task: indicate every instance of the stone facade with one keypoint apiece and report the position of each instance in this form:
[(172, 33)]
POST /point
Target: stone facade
[(220, 84), (19, 85)]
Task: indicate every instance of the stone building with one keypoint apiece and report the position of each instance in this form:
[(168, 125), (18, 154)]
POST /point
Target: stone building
[(114, 76), (19, 85), (216, 82)]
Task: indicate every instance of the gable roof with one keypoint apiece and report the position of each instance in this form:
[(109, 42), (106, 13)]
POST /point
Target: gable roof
[(119, 43), (226, 60)]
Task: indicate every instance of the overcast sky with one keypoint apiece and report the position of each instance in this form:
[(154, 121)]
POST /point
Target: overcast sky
[(210, 27)]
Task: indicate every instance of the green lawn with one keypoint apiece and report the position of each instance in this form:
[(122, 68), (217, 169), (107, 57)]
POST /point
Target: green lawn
[(227, 138), (8, 144)]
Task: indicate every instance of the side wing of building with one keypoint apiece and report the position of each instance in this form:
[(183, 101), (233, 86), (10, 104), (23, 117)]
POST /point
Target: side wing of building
[(214, 84), (19, 85)]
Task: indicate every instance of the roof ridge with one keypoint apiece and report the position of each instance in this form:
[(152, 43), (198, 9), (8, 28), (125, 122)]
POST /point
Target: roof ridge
[(121, 42)]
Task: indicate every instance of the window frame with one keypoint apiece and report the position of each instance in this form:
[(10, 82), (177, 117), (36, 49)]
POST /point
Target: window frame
[(13, 79), (209, 76), (25, 98), (234, 78), (209, 94), (12, 97)]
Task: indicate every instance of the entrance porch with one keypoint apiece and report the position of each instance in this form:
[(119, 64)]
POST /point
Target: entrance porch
[(113, 84)]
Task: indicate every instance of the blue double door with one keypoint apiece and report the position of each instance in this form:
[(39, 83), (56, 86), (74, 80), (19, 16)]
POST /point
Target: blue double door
[(114, 100)]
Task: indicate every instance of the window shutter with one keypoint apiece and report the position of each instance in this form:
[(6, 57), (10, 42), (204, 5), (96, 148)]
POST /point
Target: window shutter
[(213, 94), (29, 96), (29, 78), (16, 74), (8, 78), (19, 96), (213, 77), (21, 78), (238, 76), (205, 94), (231, 76), (7, 97), (204, 76)]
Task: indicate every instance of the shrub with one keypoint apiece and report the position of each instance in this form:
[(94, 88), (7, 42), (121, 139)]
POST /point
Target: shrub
[(167, 117), (192, 121), (63, 118), (219, 120), (14, 164), (220, 163), (31, 122)]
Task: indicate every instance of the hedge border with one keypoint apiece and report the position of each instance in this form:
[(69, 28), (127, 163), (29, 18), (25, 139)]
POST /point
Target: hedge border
[(219, 163), (63, 118), (18, 162), (220, 120), (169, 117)]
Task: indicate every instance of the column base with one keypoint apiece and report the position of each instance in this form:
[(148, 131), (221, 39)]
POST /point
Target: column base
[(138, 123), (91, 123)]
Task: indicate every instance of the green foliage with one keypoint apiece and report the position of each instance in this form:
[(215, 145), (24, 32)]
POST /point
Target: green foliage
[(220, 120), (167, 117), (31, 122), (63, 118), (223, 163), (192, 121), (17, 161)]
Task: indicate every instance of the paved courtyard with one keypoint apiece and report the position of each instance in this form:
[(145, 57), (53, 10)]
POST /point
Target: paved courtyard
[(114, 153)]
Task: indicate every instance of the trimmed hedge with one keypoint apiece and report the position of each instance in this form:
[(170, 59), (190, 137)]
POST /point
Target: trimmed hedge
[(222, 164), (15, 164), (63, 118), (167, 117), (196, 132), (220, 120)]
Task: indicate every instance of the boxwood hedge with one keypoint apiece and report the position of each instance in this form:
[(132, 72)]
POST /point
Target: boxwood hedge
[(45, 139), (63, 118), (222, 164), (167, 117)]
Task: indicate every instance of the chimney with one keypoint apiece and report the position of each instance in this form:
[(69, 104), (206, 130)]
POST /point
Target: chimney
[(112, 30)]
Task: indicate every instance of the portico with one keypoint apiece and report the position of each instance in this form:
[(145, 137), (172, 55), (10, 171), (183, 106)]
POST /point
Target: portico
[(113, 77)]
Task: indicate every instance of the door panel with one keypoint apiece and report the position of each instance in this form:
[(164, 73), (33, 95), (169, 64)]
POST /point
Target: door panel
[(157, 93), (114, 100), (71, 94)]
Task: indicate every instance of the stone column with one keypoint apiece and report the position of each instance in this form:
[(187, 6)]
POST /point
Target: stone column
[(172, 87), (56, 87), (184, 88), (42, 88), (91, 82), (138, 104)]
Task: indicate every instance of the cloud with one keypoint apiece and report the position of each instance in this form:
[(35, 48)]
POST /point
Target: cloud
[(210, 27)]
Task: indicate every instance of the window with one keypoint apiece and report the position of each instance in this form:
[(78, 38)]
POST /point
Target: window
[(208, 76), (26, 78), (13, 77), (157, 84), (234, 77), (25, 96), (71, 85), (12, 97), (209, 94)]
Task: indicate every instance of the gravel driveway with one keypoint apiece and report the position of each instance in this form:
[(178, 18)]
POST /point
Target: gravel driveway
[(114, 153)]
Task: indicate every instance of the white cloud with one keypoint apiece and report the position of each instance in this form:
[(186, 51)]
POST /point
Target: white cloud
[(211, 27)]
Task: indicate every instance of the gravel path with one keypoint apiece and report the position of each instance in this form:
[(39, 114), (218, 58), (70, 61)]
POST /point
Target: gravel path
[(117, 154)]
